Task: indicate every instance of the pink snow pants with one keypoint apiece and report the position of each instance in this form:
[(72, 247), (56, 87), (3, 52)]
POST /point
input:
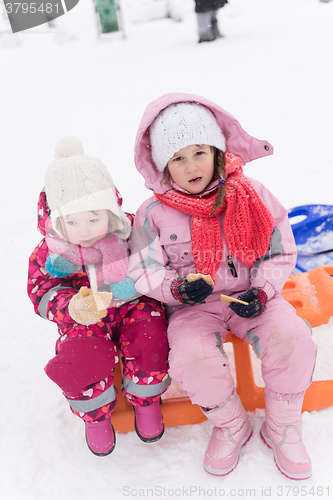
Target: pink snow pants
[(84, 364), (279, 338)]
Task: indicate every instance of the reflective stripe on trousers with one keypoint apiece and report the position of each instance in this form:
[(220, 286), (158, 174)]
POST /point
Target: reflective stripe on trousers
[(145, 391), (92, 404)]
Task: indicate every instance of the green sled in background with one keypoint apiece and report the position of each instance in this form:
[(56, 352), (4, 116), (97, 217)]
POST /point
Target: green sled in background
[(107, 11)]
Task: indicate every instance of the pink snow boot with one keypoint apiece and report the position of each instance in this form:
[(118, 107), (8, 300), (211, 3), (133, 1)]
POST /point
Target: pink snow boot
[(282, 432), (149, 423), (232, 430), (100, 437)]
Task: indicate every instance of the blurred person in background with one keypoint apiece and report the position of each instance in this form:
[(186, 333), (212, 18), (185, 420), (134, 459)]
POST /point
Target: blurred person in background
[(206, 11)]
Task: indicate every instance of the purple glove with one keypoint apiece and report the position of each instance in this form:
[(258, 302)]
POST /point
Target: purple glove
[(190, 293), (256, 297)]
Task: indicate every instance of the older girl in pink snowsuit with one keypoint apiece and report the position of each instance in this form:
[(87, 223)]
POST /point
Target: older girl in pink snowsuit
[(82, 259), (206, 217)]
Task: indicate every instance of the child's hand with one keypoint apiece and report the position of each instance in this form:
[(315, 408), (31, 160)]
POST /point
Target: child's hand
[(256, 298), (190, 293), (58, 266), (123, 290), (88, 308)]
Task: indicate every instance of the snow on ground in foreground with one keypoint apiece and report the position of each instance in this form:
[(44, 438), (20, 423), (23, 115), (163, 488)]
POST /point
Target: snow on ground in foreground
[(273, 71)]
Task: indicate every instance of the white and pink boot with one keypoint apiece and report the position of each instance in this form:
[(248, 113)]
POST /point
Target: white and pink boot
[(149, 424), (232, 429), (282, 432), (100, 437)]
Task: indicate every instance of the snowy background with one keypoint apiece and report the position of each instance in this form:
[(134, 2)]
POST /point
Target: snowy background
[(273, 71)]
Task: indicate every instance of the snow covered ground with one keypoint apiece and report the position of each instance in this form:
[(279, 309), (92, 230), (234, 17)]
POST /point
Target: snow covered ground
[(274, 72)]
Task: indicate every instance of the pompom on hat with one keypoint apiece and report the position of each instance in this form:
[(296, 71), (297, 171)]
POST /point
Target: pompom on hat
[(75, 182), (68, 146), (181, 125)]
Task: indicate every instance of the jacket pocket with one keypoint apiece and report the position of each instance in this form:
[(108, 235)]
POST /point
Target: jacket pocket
[(177, 243)]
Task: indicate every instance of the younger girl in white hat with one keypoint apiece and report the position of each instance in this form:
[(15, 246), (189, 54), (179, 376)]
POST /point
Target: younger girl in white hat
[(78, 280)]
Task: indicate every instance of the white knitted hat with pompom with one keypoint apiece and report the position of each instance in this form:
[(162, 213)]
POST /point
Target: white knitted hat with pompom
[(75, 182), (180, 125)]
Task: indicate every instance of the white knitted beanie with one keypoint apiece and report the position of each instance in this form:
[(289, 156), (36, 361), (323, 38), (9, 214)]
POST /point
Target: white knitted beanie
[(181, 125), (75, 182)]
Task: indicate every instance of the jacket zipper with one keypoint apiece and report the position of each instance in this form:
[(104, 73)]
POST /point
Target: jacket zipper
[(232, 267)]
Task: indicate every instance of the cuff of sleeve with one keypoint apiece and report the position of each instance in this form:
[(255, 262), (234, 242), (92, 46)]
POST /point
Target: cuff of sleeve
[(269, 290), (168, 298)]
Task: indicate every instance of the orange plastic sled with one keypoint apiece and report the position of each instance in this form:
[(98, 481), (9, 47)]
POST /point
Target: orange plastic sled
[(311, 294)]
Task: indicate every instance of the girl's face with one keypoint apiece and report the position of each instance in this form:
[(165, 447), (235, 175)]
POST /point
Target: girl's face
[(192, 168), (86, 228)]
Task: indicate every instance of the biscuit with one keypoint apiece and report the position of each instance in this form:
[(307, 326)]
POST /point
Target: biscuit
[(206, 277)]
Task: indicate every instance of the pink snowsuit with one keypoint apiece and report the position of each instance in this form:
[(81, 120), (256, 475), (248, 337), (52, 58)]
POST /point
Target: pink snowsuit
[(86, 355), (162, 250)]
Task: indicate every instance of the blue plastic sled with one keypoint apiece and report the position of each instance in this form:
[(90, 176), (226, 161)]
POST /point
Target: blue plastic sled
[(313, 236)]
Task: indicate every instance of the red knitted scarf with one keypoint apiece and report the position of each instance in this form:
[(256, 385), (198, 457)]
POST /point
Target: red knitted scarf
[(247, 226)]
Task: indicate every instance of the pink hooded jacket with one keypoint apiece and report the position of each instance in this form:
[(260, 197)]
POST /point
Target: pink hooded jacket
[(161, 238)]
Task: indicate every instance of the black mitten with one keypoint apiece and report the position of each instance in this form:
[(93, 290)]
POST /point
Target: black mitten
[(256, 298), (191, 293)]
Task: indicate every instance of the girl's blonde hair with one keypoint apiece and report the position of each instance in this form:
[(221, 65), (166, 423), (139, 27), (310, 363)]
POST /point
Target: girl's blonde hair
[(218, 175)]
